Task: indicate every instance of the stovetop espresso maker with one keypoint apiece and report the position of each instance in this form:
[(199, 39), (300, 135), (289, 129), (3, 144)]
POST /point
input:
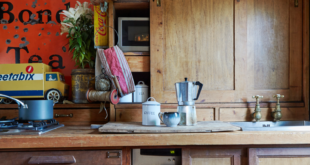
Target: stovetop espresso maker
[(186, 92)]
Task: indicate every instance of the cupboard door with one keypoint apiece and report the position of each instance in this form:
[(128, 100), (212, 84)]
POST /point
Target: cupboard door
[(193, 39), (211, 156), (235, 48), (279, 156), (93, 157), (274, 49)]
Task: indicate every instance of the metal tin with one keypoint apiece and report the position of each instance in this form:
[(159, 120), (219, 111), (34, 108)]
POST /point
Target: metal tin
[(82, 80), (150, 111), (141, 93), (101, 31)]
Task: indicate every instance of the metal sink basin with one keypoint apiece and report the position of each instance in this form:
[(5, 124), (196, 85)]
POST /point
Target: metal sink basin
[(274, 126)]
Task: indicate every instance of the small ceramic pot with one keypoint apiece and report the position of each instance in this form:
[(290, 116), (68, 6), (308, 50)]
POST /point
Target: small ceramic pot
[(142, 92), (171, 119), (150, 109)]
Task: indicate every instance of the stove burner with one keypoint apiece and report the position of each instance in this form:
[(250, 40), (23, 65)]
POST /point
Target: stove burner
[(33, 125), (4, 120)]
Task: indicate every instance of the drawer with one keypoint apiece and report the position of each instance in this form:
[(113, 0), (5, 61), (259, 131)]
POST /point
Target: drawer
[(106, 157), (81, 117)]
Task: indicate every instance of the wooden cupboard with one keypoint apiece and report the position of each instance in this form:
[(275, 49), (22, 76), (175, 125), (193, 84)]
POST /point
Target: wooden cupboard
[(236, 48)]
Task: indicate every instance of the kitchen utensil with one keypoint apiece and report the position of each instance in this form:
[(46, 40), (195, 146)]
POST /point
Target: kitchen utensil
[(187, 115), (126, 99), (186, 95), (34, 109), (171, 119), (141, 93), (150, 110), (187, 92), (37, 110)]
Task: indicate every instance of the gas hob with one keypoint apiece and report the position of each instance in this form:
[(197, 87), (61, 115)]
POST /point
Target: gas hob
[(17, 127)]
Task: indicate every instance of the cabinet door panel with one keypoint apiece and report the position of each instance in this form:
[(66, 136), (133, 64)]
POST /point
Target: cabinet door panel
[(279, 156), (198, 43), (213, 161), (284, 161), (274, 49), (193, 39), (205, 156)]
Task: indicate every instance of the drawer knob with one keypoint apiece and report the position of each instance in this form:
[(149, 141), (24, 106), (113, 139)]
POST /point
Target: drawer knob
[(66, 159), (62, 115)]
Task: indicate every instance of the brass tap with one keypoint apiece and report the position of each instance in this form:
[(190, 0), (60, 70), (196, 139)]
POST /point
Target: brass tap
[(257, 112), (276, 114)]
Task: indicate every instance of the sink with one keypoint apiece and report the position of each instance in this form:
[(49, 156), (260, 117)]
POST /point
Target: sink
[(274, 126)]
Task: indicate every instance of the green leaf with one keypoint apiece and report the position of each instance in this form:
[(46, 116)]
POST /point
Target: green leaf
[(79, 41)]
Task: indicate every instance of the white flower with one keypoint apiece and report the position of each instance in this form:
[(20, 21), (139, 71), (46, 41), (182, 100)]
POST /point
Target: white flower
[(74, 14), (65, 28)]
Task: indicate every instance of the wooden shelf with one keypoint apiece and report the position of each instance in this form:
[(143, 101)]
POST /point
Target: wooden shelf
[(138, 63), (136, 53), (136, 5)]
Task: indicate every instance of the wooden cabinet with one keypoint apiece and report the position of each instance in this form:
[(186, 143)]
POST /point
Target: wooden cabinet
[(96, 157), (279, 156), (236, 48), (202, 156)]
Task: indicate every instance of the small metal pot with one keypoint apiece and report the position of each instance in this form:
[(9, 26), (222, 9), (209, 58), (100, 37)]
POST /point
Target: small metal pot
[(37, 110)]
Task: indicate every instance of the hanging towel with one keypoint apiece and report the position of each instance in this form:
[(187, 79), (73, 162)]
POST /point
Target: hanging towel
[(115, 65)]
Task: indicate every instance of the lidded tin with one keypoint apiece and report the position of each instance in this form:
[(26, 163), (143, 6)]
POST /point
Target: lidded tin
[(150, 111), (142, 92)]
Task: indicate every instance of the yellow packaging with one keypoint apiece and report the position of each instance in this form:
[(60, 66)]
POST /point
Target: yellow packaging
[(101, 28)]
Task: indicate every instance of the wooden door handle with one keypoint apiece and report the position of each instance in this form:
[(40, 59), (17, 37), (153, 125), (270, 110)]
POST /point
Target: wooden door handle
[(52, 159)]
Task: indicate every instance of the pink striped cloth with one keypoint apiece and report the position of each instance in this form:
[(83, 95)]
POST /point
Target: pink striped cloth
[(115, 64)]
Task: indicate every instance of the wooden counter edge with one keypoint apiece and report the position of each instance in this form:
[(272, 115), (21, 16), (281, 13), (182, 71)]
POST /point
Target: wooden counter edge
[(67, 139)]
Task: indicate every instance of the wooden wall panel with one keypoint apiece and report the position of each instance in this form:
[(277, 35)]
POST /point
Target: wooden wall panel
[(135, 115), (244, 114)]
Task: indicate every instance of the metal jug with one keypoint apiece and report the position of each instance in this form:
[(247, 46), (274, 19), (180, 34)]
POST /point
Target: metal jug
[(187, 92)]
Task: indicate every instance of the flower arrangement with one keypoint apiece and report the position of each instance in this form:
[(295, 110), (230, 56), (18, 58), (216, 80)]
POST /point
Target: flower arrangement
[(78, 23)]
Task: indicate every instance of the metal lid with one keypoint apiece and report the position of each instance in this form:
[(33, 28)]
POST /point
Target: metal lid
[(151, 102), (141, 84), (185, 81)]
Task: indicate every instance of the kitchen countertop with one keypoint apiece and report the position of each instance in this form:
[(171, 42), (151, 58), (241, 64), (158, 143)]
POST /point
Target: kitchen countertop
[(83, 136)]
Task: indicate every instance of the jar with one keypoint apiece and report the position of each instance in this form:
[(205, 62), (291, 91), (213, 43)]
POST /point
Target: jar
[(142, 92), (150, 111), (126, 99)]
